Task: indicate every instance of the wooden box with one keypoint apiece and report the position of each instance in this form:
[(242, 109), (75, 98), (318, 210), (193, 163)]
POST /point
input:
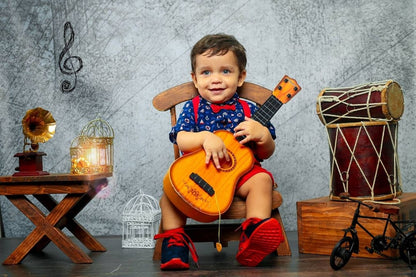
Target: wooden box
[(321, 222)]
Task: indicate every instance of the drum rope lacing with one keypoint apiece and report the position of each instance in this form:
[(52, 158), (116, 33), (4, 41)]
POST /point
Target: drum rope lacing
[(360, 90), (396, 172)]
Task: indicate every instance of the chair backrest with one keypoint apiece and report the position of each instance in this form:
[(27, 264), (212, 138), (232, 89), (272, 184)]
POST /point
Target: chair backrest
[(168, 99)]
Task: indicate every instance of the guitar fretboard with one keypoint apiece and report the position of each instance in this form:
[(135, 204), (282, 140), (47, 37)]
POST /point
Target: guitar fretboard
[(267, 110)]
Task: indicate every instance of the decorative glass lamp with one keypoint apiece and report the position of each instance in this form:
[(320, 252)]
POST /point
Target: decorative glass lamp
[(141, 219), (92, 151)]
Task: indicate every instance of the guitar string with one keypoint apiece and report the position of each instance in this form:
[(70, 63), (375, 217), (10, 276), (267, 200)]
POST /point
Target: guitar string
[(219, 223)]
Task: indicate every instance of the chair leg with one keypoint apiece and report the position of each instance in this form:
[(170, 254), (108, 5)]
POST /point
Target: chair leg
[(284, 247), (1, 226)]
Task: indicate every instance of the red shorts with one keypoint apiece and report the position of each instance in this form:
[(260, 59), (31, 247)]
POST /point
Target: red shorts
[(256, 169)]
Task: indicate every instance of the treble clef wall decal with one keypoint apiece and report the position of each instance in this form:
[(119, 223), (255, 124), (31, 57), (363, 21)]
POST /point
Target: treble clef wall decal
[(70, 65)]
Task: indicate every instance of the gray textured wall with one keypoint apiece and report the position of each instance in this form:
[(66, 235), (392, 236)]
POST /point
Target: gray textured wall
[(131, 50)]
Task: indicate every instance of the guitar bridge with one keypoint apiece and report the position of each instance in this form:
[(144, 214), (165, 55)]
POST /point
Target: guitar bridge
[(202, 184)]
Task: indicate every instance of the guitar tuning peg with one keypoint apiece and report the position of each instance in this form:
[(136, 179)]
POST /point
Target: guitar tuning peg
[(279, 87), (295, 89), (286, 80), (289, 96)]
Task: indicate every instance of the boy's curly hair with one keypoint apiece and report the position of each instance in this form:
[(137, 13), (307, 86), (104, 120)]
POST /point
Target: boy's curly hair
[(219, 44)]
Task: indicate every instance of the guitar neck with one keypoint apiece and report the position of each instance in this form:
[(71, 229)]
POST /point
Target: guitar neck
[(284, 91), (267, 110)]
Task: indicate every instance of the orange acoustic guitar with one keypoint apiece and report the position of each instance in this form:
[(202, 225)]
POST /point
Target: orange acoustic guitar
[(203, 192)]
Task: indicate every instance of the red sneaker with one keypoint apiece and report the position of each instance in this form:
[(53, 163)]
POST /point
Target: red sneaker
[(175, 250), (258, 239)]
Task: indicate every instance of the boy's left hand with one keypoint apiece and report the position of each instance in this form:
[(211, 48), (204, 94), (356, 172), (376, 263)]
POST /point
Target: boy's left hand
[(252, 130)]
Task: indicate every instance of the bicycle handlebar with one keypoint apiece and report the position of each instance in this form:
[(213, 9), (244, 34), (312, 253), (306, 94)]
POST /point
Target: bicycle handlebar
[(387, 209), (346, 195)]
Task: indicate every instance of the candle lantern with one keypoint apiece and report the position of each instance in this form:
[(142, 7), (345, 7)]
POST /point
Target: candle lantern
[(92, 151)]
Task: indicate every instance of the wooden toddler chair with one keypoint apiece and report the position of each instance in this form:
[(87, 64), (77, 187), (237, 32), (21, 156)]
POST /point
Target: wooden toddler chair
[(1, 226), (167, 100)]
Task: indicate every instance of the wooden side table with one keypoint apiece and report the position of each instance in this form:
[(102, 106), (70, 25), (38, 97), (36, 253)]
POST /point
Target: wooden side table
[(79, 190)]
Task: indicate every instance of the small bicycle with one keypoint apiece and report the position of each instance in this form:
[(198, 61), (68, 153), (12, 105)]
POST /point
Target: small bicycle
[(404, 240)]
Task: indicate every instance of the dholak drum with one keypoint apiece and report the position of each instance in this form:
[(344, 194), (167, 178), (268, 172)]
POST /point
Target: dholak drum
[(364, 160), (379, 101)]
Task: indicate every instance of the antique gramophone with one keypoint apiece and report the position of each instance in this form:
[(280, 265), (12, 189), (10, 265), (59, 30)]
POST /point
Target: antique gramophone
[(38, 127)]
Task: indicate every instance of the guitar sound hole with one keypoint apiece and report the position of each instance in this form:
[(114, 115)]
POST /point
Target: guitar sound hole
[(228, 165)]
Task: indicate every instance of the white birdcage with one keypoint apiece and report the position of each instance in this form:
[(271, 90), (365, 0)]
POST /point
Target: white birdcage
[(141, 219)]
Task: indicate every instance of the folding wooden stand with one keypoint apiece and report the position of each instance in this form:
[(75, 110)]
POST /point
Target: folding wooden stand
[(79, 190)]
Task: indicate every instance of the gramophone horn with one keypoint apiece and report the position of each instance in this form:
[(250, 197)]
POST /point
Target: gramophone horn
[(38, 125)]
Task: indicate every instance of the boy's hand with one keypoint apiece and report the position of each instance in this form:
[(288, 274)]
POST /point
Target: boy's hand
[(215, 149), (251, 130)]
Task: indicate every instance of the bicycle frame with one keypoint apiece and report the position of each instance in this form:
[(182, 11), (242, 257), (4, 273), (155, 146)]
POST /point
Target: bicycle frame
[(404, 238), (355, 221)]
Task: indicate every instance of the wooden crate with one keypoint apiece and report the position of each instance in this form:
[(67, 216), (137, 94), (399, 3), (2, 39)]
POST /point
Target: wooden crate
[(321, 222)]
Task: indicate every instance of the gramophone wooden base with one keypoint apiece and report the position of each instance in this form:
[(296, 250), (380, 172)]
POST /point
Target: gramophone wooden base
[(30, 173), (30, 164)]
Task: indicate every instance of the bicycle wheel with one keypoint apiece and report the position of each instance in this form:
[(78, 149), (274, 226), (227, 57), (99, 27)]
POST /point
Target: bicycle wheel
[(408, 249), (341, 253)]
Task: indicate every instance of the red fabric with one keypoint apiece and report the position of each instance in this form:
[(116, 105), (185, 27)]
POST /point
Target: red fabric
[(256, 169), (196, 100), (217, 108), (195, 103), (246, 107)]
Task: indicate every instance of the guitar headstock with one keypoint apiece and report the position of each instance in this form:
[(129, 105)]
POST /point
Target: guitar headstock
[(286, 89)]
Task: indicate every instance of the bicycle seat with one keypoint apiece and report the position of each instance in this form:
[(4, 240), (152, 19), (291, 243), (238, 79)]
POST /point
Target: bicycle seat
[(387, 209)]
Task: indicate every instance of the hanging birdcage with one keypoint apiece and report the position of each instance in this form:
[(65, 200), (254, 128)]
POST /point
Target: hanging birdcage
[(92, 151), (141, 219)]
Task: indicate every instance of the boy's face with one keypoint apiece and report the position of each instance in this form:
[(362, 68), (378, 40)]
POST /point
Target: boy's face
[(217, 77)]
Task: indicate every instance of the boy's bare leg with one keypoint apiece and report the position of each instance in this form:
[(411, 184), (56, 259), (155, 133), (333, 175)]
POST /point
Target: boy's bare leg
[(261, 235), (172, 218), (258, 194)]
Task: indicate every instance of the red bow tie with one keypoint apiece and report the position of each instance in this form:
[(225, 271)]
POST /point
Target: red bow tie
[(216, 108)]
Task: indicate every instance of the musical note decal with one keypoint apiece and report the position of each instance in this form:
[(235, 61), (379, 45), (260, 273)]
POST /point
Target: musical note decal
[(70, 65)]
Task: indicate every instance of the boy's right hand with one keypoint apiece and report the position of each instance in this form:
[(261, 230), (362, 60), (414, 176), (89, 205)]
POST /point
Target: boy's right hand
[(212, 144), (214, 149)]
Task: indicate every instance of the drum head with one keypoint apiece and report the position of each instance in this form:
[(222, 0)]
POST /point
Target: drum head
[(395, 101)]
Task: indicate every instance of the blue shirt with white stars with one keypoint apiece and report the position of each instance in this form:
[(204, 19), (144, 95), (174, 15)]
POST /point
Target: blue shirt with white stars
[(210, 121)]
